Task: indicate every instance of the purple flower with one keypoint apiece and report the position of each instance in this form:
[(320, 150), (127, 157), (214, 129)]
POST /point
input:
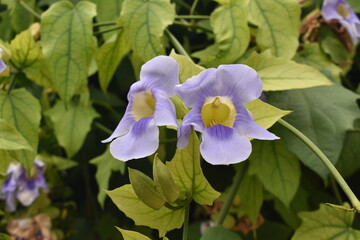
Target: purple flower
[(341, 10), (2, 64), (217, 98), (137, 134), (20, 186)]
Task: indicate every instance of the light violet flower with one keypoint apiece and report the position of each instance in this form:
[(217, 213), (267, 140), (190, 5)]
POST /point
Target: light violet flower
[(137, 134), (217, 98), (341, 10), (20, 186), (2, 64)]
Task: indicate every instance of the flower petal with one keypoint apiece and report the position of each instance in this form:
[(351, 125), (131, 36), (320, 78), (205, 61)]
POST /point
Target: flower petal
[(161, 73), (164, 110), (123, 127), (222, 146), (192, 118), (195, 89), (141, 141), (239, 80)]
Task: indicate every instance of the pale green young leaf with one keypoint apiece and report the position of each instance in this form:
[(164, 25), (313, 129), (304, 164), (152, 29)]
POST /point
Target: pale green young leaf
[(109, 56), (232, 35), (188, 176), (71, 125), (105, 165), (163, 219), (278, 25), (326, 223), (265, 114), (187, 68), (68, 44), (281, 74), (278, 169), (131, 235), (251, 195), (145, 21), (11, 138), (21, 110), (26, 55), (323, 114), (313, 56), (219, 232)]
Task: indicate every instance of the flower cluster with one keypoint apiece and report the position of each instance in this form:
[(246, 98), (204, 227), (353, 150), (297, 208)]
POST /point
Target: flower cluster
[(216, 98), (341, 10), (20, 186)]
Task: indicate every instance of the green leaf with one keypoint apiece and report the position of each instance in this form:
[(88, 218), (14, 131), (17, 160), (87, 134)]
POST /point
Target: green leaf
[(251, 195), (12, 139), (314, 57), (281, 74), (26, 55), (186, 170), (145, 188), (278, 25), (349, 158), (131, 235), (187, 68), (278, 169), (219, 232), (20, 17), (21, 110), (71, 125), (355, 5), (326, 223), (164, 181), (163, 219), (109, 56), (145, 21), (4, 237), (68, 44), (232, 35), (60, 163), (323, 114), (105, 164), (264, 114)]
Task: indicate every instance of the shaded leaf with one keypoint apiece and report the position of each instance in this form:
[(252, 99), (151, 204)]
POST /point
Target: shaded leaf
[(145, 21), (349, 158), (218, 233), (131, 235), (326, 223), (278, 169), (71, 125), (68, 44), (60, 163), (12, 139), (278, 25), (186, 170), (163, 219), (323, 114), (105, 164), (281, 74)]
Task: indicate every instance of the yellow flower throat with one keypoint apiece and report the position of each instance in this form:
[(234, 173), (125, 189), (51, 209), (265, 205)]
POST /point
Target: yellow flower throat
[(143, 105), (343, 10), (218, 110)]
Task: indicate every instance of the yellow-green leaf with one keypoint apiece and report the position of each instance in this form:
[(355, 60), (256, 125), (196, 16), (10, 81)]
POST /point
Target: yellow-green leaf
[(281, 74), (145, 21), (11, 138), (188, 176), (71, 125), (265, 114), (68, 44), (21, 110), (187, 68), (278, 169), (131, 235), (163, 219), (109, 56), (326, 223), (232, 35), (278, 25)]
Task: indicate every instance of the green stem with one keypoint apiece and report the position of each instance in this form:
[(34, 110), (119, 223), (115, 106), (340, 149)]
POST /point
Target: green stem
[(345, 187), (193, 6), (29, 9), (192, 26), (199, 17), (176, 44), (12, 83), (335, 190), (100, 24), (108, 30), (230, 198), (186, 222)]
